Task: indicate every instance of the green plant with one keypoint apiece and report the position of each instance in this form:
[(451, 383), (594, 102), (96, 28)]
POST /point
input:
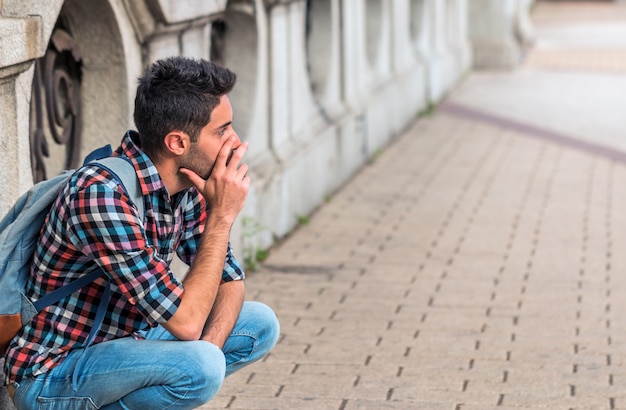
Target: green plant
[(303, 219), (252, 255), (428, 110), (374, 157), (262, 254)]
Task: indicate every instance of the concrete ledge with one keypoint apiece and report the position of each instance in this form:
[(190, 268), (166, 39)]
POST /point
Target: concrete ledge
[(20, 40), (177, 11)]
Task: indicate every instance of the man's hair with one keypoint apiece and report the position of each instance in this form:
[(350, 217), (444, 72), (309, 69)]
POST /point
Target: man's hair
[(178, 94)]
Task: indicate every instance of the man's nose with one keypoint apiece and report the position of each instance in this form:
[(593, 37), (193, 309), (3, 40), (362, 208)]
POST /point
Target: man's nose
[(238, 140)]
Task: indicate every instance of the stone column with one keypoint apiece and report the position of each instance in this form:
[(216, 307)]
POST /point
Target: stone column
[(499, 31), (20, 40), (25, 27), (23, 31)]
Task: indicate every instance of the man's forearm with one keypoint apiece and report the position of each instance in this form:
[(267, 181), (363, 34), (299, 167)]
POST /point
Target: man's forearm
[(224, 314), (225, 191), (201, 286)]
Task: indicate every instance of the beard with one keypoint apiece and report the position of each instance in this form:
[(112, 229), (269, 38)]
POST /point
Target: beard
[(198, 163)]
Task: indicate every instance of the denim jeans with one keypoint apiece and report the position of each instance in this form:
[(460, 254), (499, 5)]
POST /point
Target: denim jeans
[(159, 372)]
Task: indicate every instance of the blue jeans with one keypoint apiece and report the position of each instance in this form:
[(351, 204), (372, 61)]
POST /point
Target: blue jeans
[(160, 372)]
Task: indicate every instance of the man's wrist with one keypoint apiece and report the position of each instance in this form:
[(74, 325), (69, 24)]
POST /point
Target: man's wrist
[(218, 224)]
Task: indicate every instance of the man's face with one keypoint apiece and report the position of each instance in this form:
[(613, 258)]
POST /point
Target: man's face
[(203, 153)]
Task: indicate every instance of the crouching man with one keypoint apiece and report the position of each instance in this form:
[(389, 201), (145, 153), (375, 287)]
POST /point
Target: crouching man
[(161, 343)]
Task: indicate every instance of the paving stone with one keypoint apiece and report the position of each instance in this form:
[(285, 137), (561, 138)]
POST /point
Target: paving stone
[(253, 403), (392, 404)]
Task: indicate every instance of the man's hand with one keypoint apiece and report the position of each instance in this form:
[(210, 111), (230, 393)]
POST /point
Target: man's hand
[(227, 186), (225, 191)]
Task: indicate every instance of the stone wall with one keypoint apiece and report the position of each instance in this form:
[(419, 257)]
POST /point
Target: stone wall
[(323, 84)]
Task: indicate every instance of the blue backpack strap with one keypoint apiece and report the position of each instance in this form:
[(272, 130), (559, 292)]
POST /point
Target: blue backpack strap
[(97, 323), (124, 171), (98, 153), (58, 294), (121, 168)]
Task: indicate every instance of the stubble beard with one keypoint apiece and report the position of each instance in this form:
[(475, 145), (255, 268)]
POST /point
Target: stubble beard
[(198, 164)]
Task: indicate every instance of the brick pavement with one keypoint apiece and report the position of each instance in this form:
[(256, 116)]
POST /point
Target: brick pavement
[(468, 267), (475, 264)]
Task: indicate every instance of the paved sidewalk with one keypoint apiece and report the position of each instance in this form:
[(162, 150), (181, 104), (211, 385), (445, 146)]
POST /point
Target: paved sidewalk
[(475, 264)]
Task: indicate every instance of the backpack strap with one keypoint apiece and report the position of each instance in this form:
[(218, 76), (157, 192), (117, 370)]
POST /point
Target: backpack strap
[(125, 173), (97, 323), (121, 168), (64, 291)]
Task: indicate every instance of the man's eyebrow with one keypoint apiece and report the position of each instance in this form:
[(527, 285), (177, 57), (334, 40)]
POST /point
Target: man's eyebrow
[(224, 126)]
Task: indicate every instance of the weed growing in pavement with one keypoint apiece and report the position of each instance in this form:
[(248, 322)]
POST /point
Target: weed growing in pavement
[(303, 219), (252, 255), (428, 110)]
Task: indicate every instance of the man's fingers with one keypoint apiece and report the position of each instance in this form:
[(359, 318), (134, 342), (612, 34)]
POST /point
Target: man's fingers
[(224, 171), (224, 156), (195, 179), (242, 171), (235, 155)]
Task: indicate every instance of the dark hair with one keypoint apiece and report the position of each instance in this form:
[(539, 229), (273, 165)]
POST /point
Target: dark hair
[(178, 93)]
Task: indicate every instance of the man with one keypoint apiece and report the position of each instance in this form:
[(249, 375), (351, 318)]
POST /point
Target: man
[(162, 344)]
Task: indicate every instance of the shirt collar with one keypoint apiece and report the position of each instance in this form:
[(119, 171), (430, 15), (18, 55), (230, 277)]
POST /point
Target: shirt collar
[(146, 171)]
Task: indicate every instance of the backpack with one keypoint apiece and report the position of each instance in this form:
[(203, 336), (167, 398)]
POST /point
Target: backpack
[(19, 234)]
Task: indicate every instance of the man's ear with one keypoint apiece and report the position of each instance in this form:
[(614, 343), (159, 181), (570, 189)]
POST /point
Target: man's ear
[(177, 142)]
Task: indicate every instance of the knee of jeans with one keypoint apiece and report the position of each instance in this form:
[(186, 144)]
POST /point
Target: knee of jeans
[(270, 330), (207, 366)]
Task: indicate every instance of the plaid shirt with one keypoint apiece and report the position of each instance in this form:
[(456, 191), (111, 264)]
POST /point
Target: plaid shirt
[(91, 226)]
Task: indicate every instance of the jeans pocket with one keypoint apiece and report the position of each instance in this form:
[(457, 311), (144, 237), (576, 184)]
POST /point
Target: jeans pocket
[(66, 403)]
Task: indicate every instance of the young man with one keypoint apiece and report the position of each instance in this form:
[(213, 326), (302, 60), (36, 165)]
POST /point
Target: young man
[(162, 344)]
